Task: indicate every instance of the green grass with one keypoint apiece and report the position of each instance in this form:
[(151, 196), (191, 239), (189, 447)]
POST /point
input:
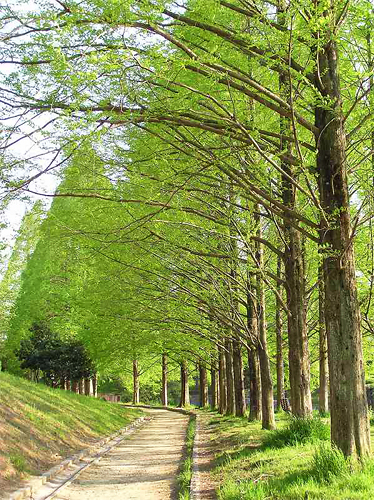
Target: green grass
[(296, 462), (298, 431), (40, 425), (19, 462), (185, 475)]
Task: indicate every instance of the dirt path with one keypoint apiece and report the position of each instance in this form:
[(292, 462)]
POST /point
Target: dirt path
[(204, 455), (144, 466)]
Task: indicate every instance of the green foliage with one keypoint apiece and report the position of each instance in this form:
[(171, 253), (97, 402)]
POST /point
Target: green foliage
[(25, 242), (57, 358), (298, 431)]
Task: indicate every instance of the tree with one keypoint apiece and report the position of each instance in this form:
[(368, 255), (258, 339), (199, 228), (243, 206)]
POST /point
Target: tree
[(45, 352)]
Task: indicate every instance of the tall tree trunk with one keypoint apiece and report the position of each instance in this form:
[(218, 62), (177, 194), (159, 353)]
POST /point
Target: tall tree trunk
[(323, 360), (255, 396), (279, 339), (81, 386), (164, 388), (350, 429), (203, 386), (75, 386), (63, 383), (230, 378), (136, 383), (94, 385), (267, 399), (87, 387), (235, 348), (298, 346), (185, 388), (214, 396), (68, 385), (240, 405), (222, 381)]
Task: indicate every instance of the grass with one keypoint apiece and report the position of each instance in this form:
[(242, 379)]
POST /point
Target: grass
[(296, 462), (298, 431), (39, 426), (185, 475)]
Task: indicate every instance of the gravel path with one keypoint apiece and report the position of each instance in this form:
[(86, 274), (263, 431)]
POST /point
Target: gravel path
[(143, 467)]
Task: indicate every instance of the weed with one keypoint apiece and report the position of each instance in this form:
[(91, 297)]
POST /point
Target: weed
[(248, 490), (185, 475), (298, 431), (18, 462), (329, 462)]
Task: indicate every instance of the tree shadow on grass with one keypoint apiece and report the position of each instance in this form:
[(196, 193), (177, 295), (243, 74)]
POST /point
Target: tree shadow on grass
[(243, 453)]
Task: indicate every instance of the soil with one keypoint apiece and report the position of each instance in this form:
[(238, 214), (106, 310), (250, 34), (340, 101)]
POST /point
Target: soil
[(206, 448), (144, 466)]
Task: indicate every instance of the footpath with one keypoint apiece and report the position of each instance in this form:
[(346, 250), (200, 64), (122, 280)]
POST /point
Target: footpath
[(143, 465)]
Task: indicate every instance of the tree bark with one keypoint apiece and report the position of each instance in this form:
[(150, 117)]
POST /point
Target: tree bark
[(75, 386), (230, 410), (240, 405), (323, 359), (94, 386), (267, 399), (214, 396), (279, 339), (350, 430), (222, 382), (136, 384), (298, 348), (164, 389), (203, 386), (255, 396), (81, 386), (185, 388), (87, 387)]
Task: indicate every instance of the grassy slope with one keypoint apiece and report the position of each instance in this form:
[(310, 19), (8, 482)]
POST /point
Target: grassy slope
[(248, 470), (40, 426)]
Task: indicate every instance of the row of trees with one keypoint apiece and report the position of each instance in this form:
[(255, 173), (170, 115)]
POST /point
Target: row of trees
[(219, 172)]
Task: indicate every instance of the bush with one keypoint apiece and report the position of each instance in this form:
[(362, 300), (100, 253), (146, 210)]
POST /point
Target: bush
[(299, 431), (329, 462), (371, 416)]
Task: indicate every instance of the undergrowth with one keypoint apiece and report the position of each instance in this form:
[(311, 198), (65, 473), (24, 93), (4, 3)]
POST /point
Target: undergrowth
[(296, 462), (298, 431)]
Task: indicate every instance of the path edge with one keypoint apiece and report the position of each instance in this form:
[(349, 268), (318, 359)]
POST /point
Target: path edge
[(33, 485), (195, 478)]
